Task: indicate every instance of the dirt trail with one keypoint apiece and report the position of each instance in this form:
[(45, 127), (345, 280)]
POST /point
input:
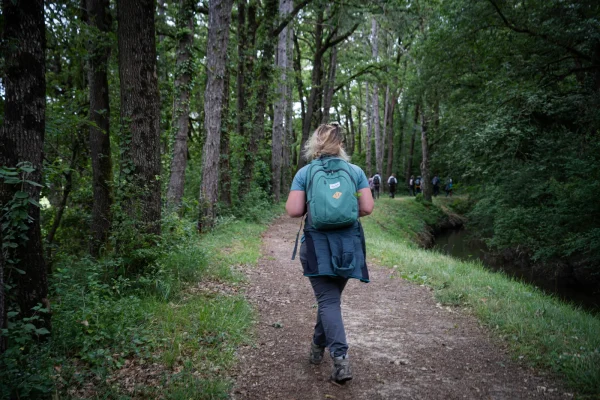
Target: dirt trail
[(402, 344)]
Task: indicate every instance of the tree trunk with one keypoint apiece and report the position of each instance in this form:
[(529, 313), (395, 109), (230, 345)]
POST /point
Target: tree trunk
[(280, 106), (99, 19), (242, 37), (376, 120), (181, 117), (330, 85), (264, 73), (412, 144), (313, 102), (390, 134), (368, 143), (350, 122), (400, 158), (360, 121), (140, 164), (224, 165), (297, 152), (218, 38), (288, 142), (425, 178), (22, 140)]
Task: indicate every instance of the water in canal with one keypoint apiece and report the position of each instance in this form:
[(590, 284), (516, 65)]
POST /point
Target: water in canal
[(459, 244)]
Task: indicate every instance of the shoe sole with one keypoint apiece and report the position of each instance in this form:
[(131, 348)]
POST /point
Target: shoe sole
[(341, 381)]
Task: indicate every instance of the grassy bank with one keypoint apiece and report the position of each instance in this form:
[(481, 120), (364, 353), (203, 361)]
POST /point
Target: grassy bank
[(170, 332), (538, 328)]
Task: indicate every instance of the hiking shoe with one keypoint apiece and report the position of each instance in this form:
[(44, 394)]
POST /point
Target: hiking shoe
[(316, 354), (341, 370)]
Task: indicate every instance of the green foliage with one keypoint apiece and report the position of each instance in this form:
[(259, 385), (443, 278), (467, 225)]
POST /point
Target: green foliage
[(14, 218), (103, 319), (25, 365)]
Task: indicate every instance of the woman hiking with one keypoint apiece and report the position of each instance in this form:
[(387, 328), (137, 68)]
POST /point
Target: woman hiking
[(333, 247)]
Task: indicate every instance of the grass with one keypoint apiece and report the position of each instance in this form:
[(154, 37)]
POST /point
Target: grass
[(198, 333), (538, 328), (170, 332)]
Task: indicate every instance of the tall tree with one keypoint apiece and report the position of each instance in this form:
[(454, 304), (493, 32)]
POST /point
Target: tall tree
[(322, 44), (360, 121), (225, 150), (262, 74), (389, 123), (411, 151), (99, 19), (289, 138), (181, 113), (279, 128), (219, 15), (425, 178), (140, 136), (375, 102), (21, 141), (329, 84), (369, 142)]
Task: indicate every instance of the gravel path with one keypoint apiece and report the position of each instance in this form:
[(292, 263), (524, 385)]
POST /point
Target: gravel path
[(403, 345)]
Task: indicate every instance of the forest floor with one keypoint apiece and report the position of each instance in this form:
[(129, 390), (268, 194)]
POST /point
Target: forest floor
[(403, 344)]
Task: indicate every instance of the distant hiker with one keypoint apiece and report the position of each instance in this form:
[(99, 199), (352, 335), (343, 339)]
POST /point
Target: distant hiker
[(333, 194), (418, 185), (411, 185), (377, 183), (436, 185), (392, 182), (448, 187), (372, 187)]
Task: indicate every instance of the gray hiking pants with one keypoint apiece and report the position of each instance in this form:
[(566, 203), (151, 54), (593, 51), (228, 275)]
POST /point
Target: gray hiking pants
[(329, 330)]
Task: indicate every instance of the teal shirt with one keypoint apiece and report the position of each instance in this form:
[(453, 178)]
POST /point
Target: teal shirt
[(299, 182)]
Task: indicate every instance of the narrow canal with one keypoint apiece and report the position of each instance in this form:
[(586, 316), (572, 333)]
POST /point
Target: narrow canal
[(458, 243)]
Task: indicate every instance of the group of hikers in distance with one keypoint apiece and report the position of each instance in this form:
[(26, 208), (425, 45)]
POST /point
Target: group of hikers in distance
[(415, 185), (375, 185)]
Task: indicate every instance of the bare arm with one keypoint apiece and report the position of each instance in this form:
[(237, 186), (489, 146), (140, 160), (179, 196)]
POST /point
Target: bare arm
[(296, 203), (365, 202)]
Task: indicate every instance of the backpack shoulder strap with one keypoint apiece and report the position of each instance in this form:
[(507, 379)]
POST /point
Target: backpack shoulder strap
[(310, 175)]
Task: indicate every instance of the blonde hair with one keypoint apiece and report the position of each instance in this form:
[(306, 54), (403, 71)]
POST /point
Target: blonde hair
[(325, 140)]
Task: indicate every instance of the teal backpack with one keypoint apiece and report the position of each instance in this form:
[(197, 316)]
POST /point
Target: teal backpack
[(331, 194)]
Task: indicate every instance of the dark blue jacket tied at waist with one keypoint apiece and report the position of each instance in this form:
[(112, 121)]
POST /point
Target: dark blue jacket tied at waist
[(340, 253)]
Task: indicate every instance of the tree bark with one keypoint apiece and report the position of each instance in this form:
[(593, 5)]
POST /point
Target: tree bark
[(183, 80), (313, 104), (22, 140), (329, 85), (280, 105), (99, 20), (140, 164), (224, 165), (288, 142), (262, 82), (376, 119), (390, 134), (368, 143), (360, 121), (350, 122), (425, 178), (412, 144), (218, 38)]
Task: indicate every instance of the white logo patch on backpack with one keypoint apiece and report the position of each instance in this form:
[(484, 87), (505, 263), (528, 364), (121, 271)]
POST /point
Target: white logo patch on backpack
[(334, 185)]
